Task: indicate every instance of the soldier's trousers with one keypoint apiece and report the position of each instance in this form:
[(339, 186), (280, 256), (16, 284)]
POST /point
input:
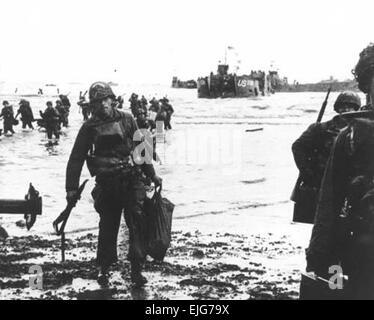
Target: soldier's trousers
[(8, 126), (53, 131), (113, 196), (27, 123), (167, 122)]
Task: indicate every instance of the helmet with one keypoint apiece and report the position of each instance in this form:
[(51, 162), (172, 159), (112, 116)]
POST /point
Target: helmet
[(49, 104), (347, 97), (364, 69), (99, 91), (24, 103)]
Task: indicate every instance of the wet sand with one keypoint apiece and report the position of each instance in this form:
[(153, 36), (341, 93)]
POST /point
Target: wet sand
[(199, 265)]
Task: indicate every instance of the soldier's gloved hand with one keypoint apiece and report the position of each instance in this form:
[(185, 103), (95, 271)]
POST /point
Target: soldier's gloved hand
[(70, 195), (157, 180)]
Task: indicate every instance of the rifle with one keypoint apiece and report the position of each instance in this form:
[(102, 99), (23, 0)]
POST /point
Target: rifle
[(308, 192), (64, 216), (82, 96), (323, 108)]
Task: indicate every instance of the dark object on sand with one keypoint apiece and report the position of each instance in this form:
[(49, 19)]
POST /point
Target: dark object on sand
[(159, 212), (3, 233), (31, 206), (64, 216), (254, 130), (197, 253), (21, 224)]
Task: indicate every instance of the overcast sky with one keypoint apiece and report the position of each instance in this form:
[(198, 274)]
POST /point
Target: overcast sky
[(149, 41)]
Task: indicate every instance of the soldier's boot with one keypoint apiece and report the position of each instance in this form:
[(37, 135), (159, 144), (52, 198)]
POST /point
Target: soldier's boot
[(103, 277), (136, 274)]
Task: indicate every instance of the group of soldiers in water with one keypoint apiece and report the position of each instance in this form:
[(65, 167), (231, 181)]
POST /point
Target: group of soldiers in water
[(146, 114), (335, 188), (56, 117), (52, 119), (158, 110)]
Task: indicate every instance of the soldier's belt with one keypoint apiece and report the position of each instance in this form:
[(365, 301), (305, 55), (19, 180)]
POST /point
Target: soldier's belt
[(107, 165)]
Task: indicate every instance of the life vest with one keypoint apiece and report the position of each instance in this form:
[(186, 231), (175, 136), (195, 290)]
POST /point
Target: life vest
[(65, 101), (112, 144), (8, 113)]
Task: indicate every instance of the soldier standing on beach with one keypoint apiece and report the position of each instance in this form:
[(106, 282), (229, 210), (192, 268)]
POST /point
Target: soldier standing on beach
[(343, 231), (311, 151), (107, 142)]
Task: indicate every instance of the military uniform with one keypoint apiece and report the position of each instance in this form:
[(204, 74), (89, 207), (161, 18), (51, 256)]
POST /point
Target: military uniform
[(155, 105), (27, 116), (311, 152), (143, 102), (63, 114), (107, 144), (66, 107), (120, 102), (116, 190), (51, 119), (134, 104), (84, 105), (342, 232), (8, 115), (167, 111)]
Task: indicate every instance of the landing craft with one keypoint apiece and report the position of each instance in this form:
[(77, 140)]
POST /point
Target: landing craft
[(231, 85), (189, 84)]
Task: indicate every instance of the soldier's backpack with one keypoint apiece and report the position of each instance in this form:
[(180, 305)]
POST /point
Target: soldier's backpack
[(65, 100), (159, 214)]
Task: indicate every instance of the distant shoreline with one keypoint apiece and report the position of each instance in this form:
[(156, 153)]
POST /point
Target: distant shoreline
[(320, 87)]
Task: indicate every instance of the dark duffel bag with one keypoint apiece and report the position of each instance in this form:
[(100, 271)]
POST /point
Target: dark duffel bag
[(159, 212)]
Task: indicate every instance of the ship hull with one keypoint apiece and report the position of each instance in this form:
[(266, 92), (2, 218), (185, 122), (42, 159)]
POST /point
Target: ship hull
[(230, 86)]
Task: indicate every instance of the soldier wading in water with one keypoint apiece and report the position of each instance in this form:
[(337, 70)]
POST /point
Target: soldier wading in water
[(343, 231), (106, 142)]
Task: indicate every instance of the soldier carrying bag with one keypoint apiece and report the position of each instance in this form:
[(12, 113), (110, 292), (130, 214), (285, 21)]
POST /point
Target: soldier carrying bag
[(159, 213)]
